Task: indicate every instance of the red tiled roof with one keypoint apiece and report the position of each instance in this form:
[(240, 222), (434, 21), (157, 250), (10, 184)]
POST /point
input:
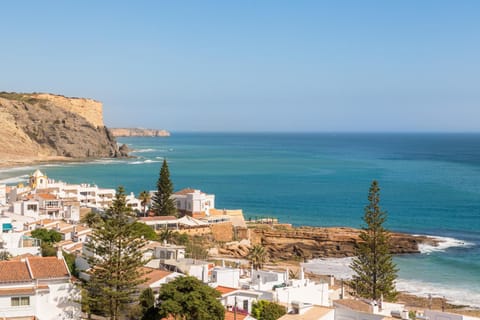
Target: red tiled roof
[(48, 267), (224, 290), (229, 315), (22, 256), (17, 291), (47, 196), (186, 191), (14, 271), (153, 275)]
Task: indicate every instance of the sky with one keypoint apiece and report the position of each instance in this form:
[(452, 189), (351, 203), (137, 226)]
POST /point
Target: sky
[(337, 65)]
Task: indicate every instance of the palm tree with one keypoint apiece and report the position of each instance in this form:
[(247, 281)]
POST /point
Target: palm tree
[(144, 198), (257, 256), (166, 235)]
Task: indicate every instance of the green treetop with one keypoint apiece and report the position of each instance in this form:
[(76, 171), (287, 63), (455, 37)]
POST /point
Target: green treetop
[(374, 270), (115, 264), (162, 205), (187, 298)]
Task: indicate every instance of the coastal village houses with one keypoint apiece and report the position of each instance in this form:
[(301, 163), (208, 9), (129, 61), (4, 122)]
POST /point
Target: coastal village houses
[(37, 288), (32, 287)]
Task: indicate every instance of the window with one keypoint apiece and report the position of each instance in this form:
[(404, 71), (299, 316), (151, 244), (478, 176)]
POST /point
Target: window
[(245, 305), (32, 207), (19, 301)]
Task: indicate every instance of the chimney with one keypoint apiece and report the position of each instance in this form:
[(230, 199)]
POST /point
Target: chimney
[(59, 253)]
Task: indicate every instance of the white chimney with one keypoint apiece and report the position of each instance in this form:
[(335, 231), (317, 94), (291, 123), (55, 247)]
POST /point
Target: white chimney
[(59, 253)]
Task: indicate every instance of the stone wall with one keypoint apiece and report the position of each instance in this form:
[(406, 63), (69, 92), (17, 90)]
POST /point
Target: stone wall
[(222, 231)]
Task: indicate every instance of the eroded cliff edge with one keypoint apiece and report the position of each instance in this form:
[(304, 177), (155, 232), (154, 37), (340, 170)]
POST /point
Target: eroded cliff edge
[(290, 243), (42, 127)]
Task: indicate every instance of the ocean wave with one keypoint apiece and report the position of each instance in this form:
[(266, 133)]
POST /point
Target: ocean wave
[(143, 150), (338, 267), (444, 243), (143, 161), (15, 169), (454, 293), (17, 179)]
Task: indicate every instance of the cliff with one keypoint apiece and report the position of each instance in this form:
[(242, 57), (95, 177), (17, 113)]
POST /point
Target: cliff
[(139, 132), (38, 127), (289, 243)]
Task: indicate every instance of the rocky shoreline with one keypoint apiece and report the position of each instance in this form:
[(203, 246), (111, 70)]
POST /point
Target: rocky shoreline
[(284, 242)]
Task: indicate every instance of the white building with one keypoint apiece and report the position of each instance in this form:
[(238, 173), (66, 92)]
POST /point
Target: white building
[(304, 291), (226, 277), (193, 202), (37, 287), (238, 299), (3, 194), (16, 243)]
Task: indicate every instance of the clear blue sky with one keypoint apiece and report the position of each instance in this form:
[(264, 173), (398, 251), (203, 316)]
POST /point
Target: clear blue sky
[(253, 65)]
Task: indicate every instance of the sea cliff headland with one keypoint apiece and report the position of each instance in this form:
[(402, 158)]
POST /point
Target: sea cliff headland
[(46, 127), (139, 132)]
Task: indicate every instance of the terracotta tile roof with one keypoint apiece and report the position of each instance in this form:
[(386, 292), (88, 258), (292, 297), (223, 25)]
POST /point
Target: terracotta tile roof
[(48, 267), (229, 315), (356, 305), (46, 196), (225, 290), (187, 191), (14, 271), (22, 256), (17, 291), (154, 275), (158, 218), (314, 313)]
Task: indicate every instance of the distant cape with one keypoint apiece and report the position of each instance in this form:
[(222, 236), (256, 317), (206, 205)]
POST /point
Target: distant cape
[(139, 132)]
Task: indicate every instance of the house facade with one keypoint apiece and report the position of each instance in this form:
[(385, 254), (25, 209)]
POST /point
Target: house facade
[(37, 287), (193, 202)]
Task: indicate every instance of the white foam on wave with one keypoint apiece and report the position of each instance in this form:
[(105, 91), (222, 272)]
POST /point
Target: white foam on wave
[(144, 161), (444, 243), (453, 293), (17, 179), (143, 150), (15, 169), (338, 267)]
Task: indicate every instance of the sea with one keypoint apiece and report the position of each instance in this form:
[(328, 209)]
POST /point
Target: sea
[(430, 185)]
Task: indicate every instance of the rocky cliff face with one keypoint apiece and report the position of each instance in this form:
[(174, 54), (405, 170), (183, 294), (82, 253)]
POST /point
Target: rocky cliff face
[(288, 243), (138, 132), (43, 127)]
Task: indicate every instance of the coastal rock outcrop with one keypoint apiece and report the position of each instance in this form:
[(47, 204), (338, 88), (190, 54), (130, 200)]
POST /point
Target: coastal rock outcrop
[(289, 243), (139, 132), (38, 127)]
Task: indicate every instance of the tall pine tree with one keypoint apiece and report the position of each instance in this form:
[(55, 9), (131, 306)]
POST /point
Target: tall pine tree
[(162, 205), (374, 270), (116, 260)]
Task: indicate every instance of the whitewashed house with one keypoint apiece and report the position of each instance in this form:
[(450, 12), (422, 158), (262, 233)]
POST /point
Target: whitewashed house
[(193, 202), (37, 287)]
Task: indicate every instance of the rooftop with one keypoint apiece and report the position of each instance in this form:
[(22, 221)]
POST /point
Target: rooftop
[(314, 313), (225, 290)]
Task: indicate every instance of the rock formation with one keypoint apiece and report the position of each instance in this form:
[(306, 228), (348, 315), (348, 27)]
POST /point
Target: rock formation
[(288, 243), (139, 132), (37, 127)]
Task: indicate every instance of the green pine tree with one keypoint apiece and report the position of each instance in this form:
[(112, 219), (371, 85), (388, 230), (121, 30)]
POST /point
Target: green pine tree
[(115, 265), (162, 205), (374, 270)]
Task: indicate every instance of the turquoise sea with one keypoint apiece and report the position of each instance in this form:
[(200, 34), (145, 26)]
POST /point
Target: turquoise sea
[(430, 184)]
